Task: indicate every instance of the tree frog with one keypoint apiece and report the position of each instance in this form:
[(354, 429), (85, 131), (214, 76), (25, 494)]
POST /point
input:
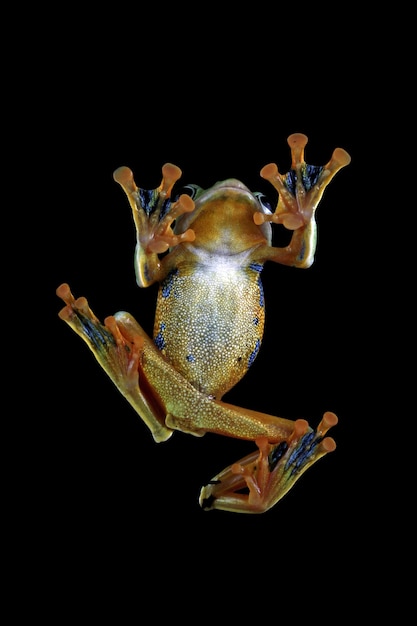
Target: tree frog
[(206, 248)]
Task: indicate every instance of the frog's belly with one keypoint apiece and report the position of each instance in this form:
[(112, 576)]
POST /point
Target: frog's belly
[(210, 325)]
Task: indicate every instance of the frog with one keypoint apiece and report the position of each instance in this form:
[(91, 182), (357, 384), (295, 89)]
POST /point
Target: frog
[(206, 249)]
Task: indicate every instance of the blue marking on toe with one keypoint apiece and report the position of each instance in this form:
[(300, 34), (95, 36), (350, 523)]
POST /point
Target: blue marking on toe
[(309, 177), (303, 451), (150, 201)]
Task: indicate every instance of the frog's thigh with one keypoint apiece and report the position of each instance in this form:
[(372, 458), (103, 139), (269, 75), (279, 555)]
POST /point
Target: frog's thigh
[(123, 361), (176, 396), (189, 410), (232, 421)]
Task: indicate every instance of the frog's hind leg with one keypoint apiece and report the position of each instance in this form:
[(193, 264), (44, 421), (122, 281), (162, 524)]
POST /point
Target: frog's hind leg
[(258, 481), (119, 356)]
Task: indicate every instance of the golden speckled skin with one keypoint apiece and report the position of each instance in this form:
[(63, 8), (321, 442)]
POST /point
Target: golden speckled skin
[(210, 311), (207, 250), (217, 344)]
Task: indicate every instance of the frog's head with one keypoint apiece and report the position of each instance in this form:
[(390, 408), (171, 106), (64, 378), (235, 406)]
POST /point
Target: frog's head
[(228, 202), (222, 187)]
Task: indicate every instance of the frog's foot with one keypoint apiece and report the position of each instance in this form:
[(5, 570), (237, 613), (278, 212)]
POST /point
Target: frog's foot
[(154, 213), (301, 189), (119, 357), (257, 482)]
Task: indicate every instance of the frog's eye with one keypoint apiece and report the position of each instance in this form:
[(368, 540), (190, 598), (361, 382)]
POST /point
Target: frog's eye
[(190, 190), (263, 201)]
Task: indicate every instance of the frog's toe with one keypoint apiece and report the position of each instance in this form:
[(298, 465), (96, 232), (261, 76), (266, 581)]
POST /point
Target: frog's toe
[(329, 420), (78, 315), (72, 305)]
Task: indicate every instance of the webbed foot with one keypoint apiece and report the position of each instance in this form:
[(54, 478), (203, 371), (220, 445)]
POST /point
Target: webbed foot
[(120, 356), (257, 482)]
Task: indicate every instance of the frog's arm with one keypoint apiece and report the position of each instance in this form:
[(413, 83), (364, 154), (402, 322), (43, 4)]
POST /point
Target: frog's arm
[(300, 191), (166, 401), (154, 213)]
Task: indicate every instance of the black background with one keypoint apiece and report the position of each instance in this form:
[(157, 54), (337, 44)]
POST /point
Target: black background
[(108, 506)]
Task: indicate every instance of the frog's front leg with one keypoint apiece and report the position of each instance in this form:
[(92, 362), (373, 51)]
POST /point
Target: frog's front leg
[(300, 191), (154, 214)]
